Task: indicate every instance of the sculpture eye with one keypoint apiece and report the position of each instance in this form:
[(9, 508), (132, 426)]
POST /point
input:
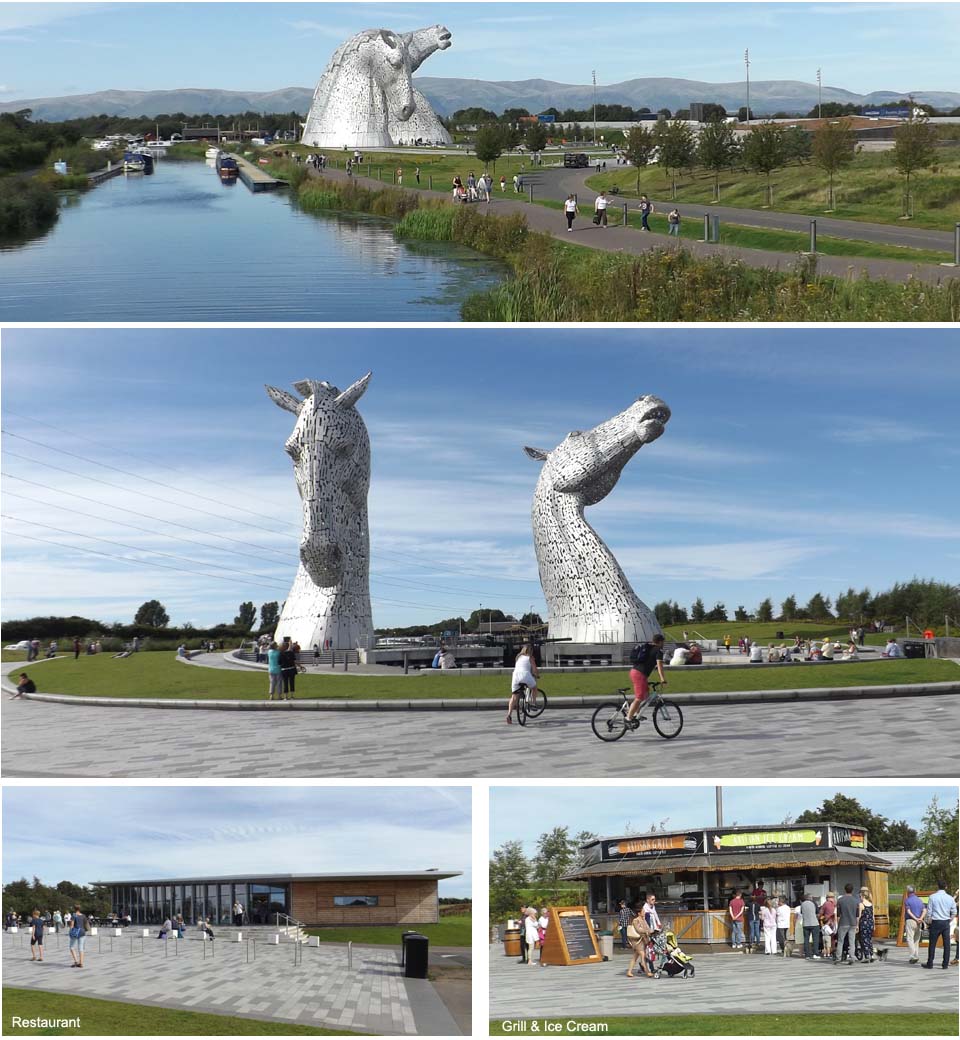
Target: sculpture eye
[(388, 38)]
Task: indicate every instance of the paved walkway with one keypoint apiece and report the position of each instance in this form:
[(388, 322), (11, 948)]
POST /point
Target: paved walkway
[(769, 740), (372, 997), (630, 241), (727, 983)]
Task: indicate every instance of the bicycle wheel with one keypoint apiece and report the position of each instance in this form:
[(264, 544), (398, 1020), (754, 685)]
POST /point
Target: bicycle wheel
[(609, 722), (522, 709), (536, 710), (668, 719)]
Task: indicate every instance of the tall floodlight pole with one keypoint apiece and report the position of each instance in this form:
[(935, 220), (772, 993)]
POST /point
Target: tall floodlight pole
[(746, 61), (594, 108), (819, 96), (719, 806)]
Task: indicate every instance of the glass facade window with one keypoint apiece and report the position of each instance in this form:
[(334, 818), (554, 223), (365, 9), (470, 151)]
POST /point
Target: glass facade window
[(356, 900), (188, 904), (265, 902), (177, 900), (226, 904), (211, 903)]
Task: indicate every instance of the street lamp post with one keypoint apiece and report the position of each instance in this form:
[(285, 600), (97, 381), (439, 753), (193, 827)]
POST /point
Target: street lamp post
[(746, 62), (819, 96), (594, 108)]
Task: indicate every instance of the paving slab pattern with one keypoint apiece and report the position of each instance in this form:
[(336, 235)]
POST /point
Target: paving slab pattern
[(763, 740), (372, 997), (725, 983)]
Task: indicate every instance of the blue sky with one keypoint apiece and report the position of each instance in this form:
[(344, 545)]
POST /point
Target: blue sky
[(525, 813), (796, 461), (93, 833), (71, 48)]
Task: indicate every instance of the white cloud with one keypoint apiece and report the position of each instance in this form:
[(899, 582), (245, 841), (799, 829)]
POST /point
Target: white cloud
[(723, 561), (882, 431)]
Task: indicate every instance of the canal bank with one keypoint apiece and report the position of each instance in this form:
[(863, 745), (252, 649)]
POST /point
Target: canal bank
[(182, 246)]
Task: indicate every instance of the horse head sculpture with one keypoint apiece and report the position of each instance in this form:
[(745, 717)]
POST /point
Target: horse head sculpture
[(330, 450), (589, 600), (366, 98)]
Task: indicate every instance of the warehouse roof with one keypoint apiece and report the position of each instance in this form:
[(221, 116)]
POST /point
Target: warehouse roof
[(377, 875)]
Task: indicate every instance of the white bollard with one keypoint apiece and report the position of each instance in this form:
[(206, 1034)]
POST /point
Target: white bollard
[(274, 940), (116, 931), (93, 931), (239, 937), (145, 933), (14, 928), (313, 940)]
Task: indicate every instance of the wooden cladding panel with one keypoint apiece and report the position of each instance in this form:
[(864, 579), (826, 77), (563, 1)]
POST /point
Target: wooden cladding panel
[(399, 902)]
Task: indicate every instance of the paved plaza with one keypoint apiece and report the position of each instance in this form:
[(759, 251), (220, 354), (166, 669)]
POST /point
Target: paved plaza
[(725, 983), (763, 740), (372, 997)]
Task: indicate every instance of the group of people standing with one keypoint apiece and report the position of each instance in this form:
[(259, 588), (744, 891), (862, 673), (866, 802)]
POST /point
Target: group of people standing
[(476, 189), (602, 203), (533, 930), (282, 665)]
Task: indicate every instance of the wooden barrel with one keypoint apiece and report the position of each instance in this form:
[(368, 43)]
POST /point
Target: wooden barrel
[(511, 942)]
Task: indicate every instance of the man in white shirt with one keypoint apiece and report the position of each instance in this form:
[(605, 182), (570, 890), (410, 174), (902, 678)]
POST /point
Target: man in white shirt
[(650, 914), (784, 914)]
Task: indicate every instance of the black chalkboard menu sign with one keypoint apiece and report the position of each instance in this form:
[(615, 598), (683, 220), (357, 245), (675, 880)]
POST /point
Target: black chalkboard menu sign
[(570, 938)]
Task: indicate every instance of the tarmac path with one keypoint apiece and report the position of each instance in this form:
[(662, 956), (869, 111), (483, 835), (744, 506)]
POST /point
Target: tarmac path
[(631, 241), (844, 739)]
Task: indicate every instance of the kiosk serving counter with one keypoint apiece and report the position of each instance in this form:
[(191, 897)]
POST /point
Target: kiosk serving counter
[(694, 873)]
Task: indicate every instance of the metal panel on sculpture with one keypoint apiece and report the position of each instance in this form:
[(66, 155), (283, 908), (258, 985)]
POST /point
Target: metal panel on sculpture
[(589, 599), (366, 97)]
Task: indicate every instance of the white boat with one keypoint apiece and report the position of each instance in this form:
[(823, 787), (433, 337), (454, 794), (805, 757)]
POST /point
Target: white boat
[(212, 153)]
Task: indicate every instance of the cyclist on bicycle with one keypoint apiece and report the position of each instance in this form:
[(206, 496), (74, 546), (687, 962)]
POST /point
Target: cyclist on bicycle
[(524, 674), (644, 658)]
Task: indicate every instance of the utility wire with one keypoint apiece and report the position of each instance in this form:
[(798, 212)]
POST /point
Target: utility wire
[(202, 563), (140, 458), (166, 502), (133, 512), (148, 480), (113, 556), (135, 548)]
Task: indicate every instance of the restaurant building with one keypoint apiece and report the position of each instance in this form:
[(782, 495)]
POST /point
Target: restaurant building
[(388, 898), (694, 873)]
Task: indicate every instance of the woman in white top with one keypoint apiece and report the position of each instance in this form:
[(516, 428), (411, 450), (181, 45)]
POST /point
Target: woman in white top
[(768, 918), (570, 209), (524, 673), (531, 933)]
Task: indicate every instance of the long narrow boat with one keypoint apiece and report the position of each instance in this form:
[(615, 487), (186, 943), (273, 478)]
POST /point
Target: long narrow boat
[(226, 167)]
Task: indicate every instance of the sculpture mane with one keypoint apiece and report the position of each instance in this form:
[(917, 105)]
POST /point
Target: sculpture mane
[(330, 450), (366, 98), (589, 599)]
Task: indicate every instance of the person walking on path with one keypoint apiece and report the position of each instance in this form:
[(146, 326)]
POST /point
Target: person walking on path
[(78, 935), (737, 907), (570, 209), (866, 923), (36, 936), (915, 913), (846, 924), (76, 649), (941, 907), (673, 219), (275, 671), (638, 935), (600, 209), (646, 208), (624, 916), (416, 174), (784, 915), (57, 921)]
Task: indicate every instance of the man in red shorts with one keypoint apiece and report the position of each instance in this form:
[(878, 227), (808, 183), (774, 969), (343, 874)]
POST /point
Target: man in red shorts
[(645, 657)]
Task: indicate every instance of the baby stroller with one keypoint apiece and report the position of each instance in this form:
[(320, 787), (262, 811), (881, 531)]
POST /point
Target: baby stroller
[(670, 959)]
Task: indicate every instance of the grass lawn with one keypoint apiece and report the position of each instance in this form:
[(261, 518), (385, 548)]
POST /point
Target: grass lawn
[(112, 1018), (931, 1023), (449, 931), (869, 189), (747, 237), (160, 675)]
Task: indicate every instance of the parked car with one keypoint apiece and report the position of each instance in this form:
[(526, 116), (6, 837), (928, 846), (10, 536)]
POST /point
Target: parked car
[(576, 160)]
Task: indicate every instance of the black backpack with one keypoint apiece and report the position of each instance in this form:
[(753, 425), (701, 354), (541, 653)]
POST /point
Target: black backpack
[(638, 655)]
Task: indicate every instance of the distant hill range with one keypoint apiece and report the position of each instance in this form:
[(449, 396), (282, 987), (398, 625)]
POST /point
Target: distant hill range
[(449, 95)]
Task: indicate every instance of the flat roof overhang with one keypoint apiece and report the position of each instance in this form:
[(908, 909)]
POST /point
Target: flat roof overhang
[(731, 862), (389, 875)]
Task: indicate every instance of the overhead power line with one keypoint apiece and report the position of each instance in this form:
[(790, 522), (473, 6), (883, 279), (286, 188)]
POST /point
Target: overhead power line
[(149, 480)]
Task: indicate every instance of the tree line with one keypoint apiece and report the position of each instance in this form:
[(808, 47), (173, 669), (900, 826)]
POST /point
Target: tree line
[(925, 601), (23, 897)]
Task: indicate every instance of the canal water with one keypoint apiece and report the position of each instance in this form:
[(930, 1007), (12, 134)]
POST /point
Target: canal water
[(181, 246)]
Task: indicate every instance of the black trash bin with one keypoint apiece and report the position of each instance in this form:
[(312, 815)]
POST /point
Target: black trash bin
[(914, 648), (416, 948), (403, 945)]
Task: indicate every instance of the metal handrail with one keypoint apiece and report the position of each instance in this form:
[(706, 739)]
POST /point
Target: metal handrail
[(289, 922)]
